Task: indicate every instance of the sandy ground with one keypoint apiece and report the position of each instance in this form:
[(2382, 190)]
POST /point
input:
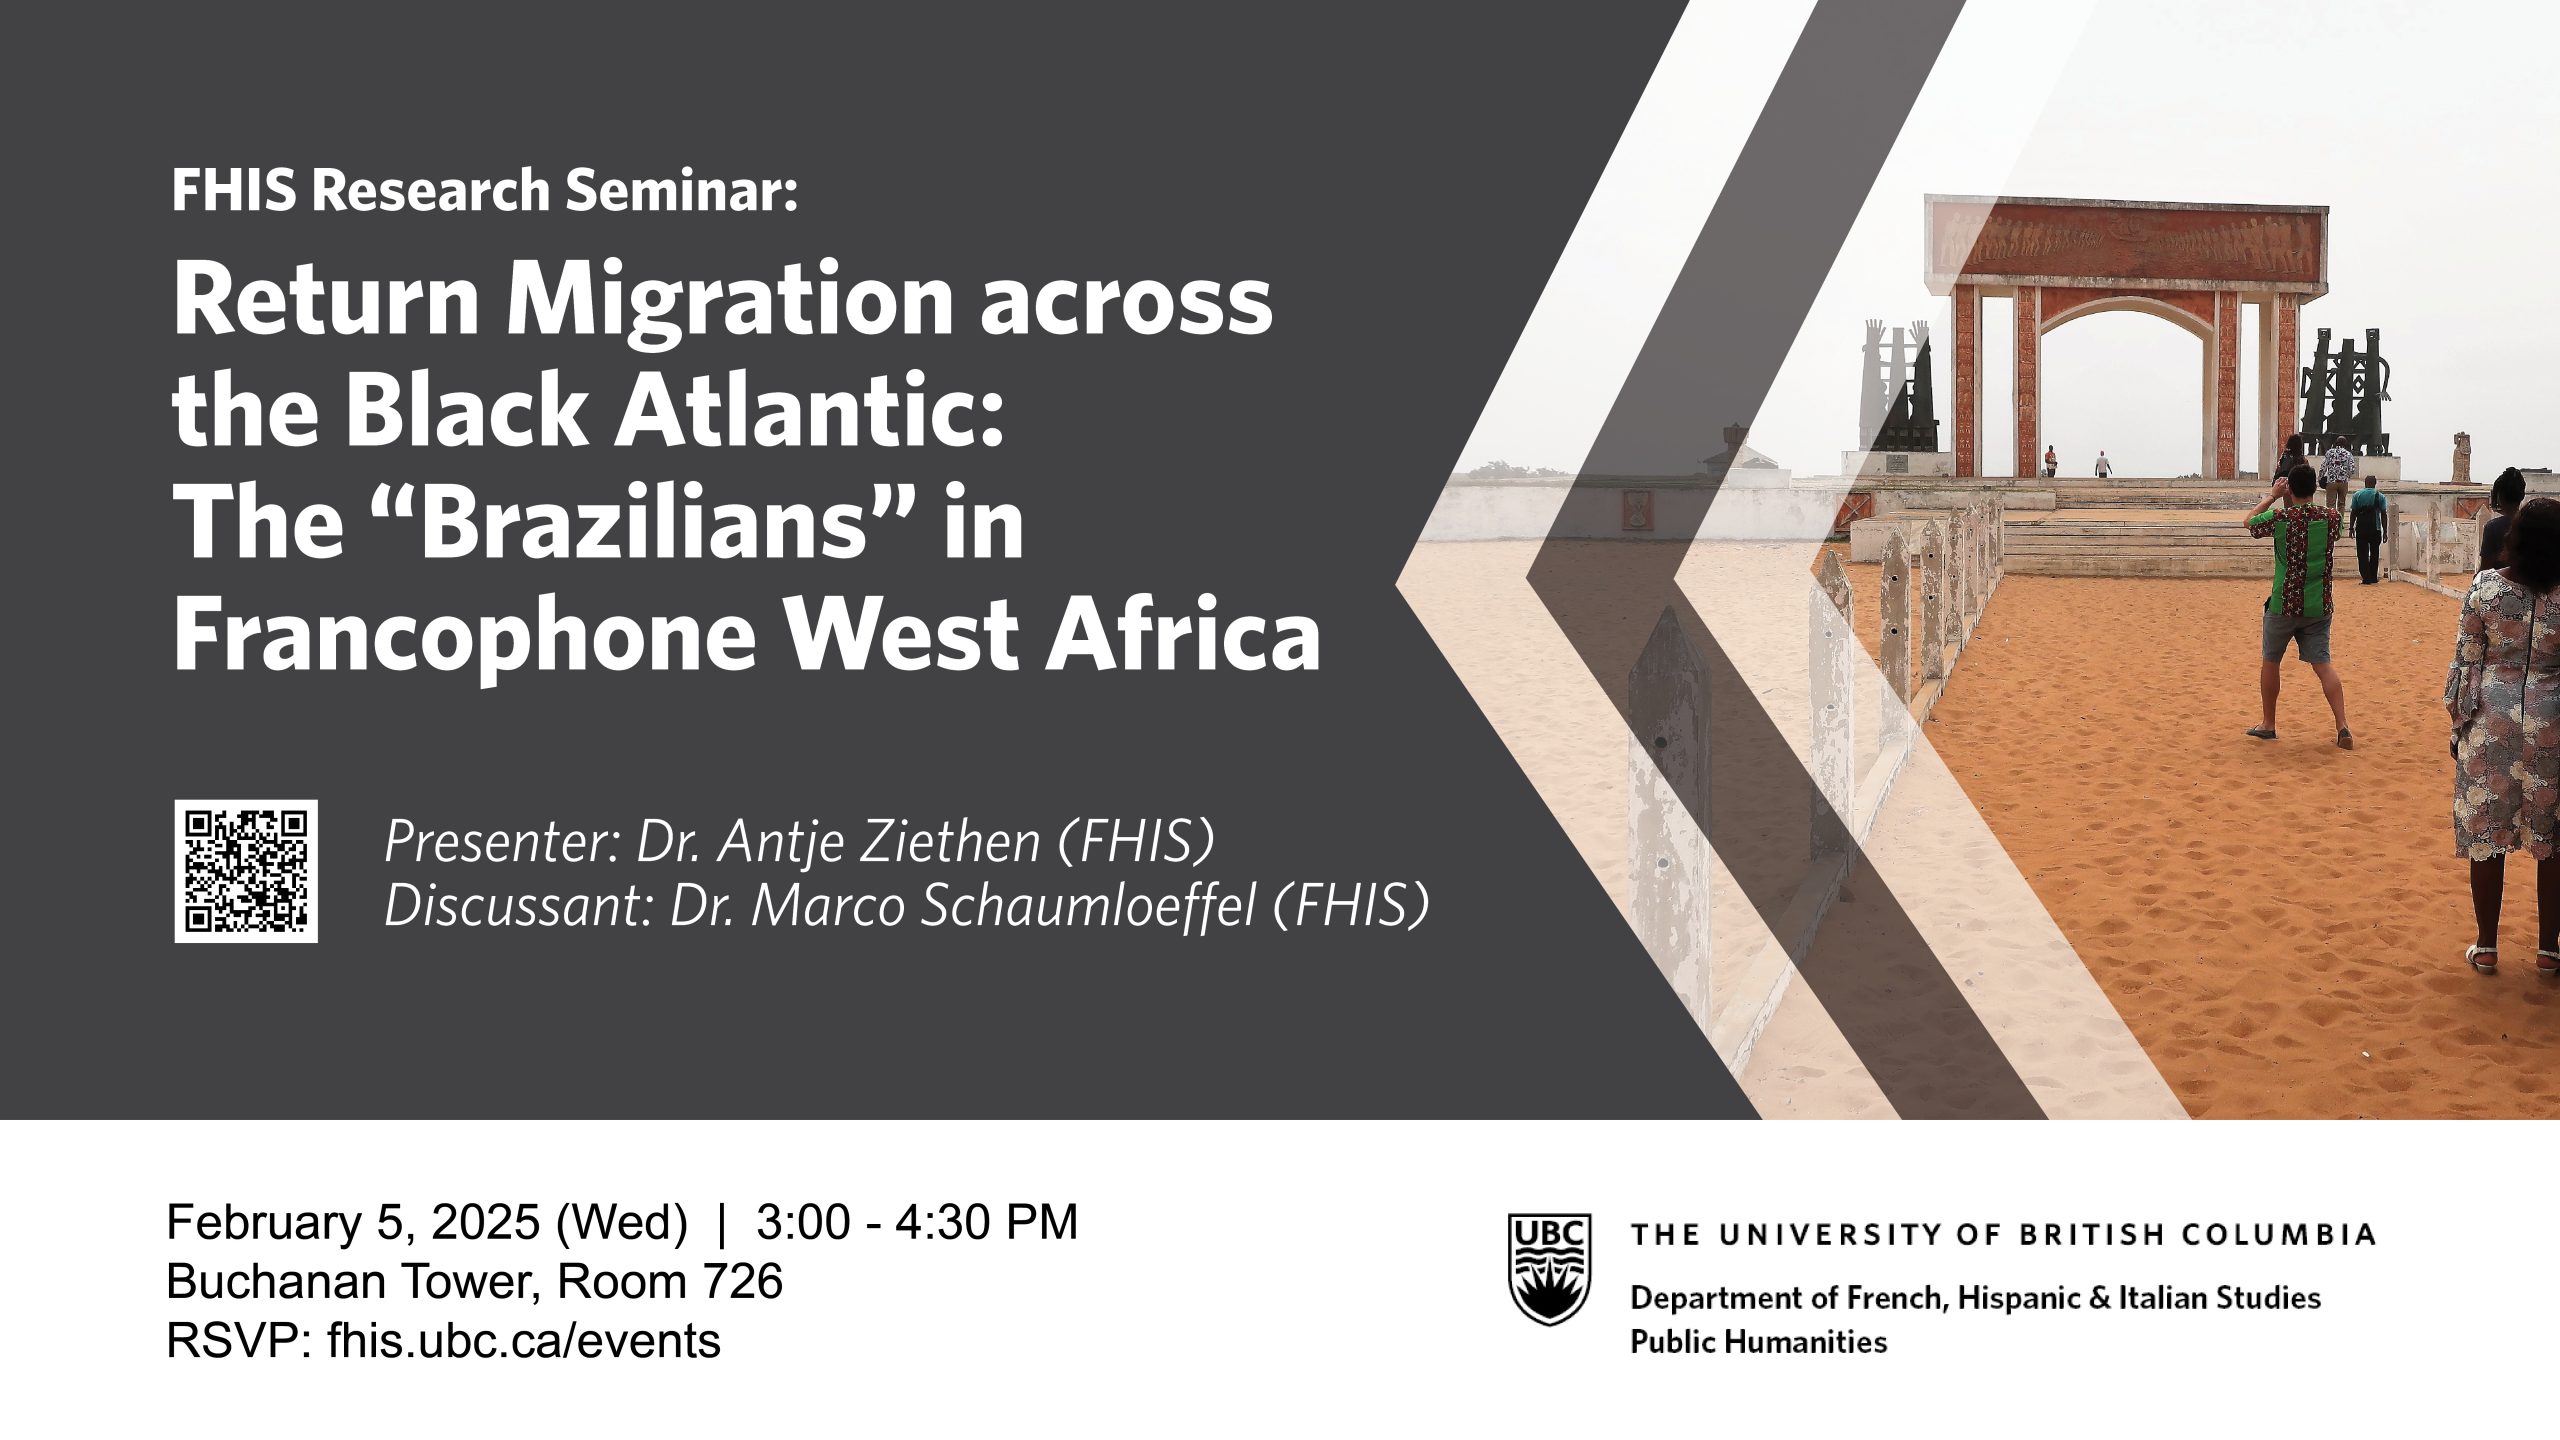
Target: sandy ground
[(2280, 924), (1930, 850)]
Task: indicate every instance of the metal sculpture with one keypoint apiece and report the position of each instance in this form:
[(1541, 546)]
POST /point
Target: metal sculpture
[(1897, 402), (2342, 394)]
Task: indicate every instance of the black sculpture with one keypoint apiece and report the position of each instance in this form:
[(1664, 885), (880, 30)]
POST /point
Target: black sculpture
[(1897, 402), (2342, 395)]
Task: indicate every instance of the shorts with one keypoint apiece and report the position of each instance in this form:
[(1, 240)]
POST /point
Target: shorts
[(2310, 635)]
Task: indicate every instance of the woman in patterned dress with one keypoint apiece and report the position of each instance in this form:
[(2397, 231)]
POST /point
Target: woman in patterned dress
[(2503, 693)]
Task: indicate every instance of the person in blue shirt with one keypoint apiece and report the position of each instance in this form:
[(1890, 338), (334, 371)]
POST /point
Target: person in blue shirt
[(2368, 511)]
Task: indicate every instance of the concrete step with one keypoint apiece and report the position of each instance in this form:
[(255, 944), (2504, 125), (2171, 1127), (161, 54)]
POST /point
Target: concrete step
[(2065, 552), (2141, 482), (2210, 532), (2082, 552), (2141, 562), (2095, 515), (2025, 537), (2138, 547), (2156, 498), (2074, 484), (2193, 565), (2196, 549)]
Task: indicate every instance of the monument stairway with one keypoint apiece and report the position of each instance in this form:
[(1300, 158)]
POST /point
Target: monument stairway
[(2096, 545), (2141, 526), (2134, 526), (2126, 493)]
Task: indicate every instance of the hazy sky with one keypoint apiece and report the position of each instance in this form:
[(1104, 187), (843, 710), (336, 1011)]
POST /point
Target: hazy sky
[(2432, 133)]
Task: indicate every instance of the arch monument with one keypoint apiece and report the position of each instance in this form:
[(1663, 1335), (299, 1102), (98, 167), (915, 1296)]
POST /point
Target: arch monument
[(2193, 265)]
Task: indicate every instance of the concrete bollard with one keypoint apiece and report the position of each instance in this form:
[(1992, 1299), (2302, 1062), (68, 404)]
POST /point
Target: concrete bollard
[(1983, 528), (1894, 581), (1831, 644), (1667, 854), (1977, 567), (1960, 588), (1951, 621)]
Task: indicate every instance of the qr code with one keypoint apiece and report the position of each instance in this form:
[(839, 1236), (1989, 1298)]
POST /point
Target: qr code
[(248, 871)]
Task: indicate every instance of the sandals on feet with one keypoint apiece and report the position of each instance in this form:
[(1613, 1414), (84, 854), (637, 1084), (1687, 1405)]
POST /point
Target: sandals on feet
[(2483, 958), (2346, 738)]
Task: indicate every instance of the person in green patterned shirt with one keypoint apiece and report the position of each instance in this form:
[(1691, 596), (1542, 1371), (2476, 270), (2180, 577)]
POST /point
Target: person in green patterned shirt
[(2300, 605)]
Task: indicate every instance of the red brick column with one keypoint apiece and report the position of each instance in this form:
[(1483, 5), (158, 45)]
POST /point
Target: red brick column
[(2030, 381), (2226, 385), (2288, 369), (1968, 356)]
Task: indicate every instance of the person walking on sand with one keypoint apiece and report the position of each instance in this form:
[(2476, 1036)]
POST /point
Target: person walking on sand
[(2368, 510), (2104, 469), (2337, 474), (2299, 608), (2503, 694)]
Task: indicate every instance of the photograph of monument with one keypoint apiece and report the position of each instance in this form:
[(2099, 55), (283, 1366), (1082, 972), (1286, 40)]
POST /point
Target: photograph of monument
[(2114, 691)]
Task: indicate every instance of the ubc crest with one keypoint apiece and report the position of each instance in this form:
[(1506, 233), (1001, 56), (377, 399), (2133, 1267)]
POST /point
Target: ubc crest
[(1550, 1259)]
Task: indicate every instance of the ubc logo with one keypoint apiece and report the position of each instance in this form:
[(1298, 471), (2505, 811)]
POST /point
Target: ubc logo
[(1550, 1266)]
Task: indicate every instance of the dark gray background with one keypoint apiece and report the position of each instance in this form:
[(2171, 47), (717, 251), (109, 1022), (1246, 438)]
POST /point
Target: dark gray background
[(1402, 176)]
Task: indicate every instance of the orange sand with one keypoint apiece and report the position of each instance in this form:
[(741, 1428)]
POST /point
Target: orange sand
[(1956, 885), (2280, 924), (2096, 723)]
